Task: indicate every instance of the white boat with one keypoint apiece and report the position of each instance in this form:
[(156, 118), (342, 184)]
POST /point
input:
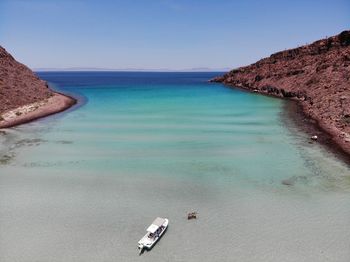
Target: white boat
[(154, 232)]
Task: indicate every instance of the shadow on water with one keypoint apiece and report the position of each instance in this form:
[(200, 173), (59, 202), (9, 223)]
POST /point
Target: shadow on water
[(6, 148), (12, 140)]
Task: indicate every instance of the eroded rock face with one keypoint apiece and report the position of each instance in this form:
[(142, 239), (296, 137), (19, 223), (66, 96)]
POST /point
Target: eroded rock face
[(18, 84), (318, 75)]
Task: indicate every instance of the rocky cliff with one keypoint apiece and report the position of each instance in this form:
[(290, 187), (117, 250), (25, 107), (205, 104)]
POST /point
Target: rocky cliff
[(18, 84), (23, 95), (316, 75)]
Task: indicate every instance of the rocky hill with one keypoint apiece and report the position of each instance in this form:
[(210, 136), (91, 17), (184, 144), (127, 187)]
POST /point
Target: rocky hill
[(316, 75), (23, 95), (18, 84)]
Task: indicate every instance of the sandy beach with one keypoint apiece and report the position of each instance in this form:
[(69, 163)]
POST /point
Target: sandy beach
[(25, 97), (24, 114)]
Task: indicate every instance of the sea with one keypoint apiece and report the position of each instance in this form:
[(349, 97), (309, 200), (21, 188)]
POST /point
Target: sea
[(83, 185)]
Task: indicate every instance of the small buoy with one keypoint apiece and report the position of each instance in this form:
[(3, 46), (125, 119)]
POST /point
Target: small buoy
[(314, 137), (192, 215)]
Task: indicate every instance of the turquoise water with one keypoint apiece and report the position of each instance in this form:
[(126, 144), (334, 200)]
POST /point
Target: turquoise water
[(84, 185)]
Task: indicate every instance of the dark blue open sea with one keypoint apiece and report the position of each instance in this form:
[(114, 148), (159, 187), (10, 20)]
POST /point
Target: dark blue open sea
[(84, 185)]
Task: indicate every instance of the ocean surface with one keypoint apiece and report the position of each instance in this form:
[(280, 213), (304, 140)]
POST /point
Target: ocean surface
[(85, 184)]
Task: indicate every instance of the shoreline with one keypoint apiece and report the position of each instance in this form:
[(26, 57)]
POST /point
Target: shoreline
[(293, 110), (57, 103), (297, 112), (315, 76)]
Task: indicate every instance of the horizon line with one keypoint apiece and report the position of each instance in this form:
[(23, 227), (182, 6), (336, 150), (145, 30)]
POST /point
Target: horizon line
[(96, 69)]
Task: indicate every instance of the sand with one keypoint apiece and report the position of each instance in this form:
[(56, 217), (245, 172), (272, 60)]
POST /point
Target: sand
[(24, 114)]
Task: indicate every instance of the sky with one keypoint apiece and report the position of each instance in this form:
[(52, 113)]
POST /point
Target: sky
[(162, 34)]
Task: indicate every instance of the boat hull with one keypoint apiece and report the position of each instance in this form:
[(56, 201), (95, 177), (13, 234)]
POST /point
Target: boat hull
[(147, 243)]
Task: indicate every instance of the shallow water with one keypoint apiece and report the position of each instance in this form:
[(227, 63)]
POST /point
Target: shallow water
[(84, 185)]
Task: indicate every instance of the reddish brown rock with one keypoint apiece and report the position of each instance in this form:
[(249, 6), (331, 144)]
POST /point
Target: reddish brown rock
[(19, 87), (316, 75), (18, 84)]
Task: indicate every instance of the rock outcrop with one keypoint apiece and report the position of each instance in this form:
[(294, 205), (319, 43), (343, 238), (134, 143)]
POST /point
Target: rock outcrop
[(21, 89), (316, 75), (18, 84)]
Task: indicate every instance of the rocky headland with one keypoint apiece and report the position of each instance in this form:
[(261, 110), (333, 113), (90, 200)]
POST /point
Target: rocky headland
[(24, 96), (317, 76)]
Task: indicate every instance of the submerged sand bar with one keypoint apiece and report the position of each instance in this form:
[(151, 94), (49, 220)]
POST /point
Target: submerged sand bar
[(24, 114)]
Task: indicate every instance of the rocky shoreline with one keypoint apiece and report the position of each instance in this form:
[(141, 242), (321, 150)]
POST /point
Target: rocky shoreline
[(24, 97), (316, 76), (294, 117)]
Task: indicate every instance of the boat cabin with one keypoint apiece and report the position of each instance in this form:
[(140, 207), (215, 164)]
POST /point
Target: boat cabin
[(154, 232), (156, 227)]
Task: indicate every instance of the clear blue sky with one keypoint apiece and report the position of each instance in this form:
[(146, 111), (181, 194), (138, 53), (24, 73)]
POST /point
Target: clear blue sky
[(166, 34)]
